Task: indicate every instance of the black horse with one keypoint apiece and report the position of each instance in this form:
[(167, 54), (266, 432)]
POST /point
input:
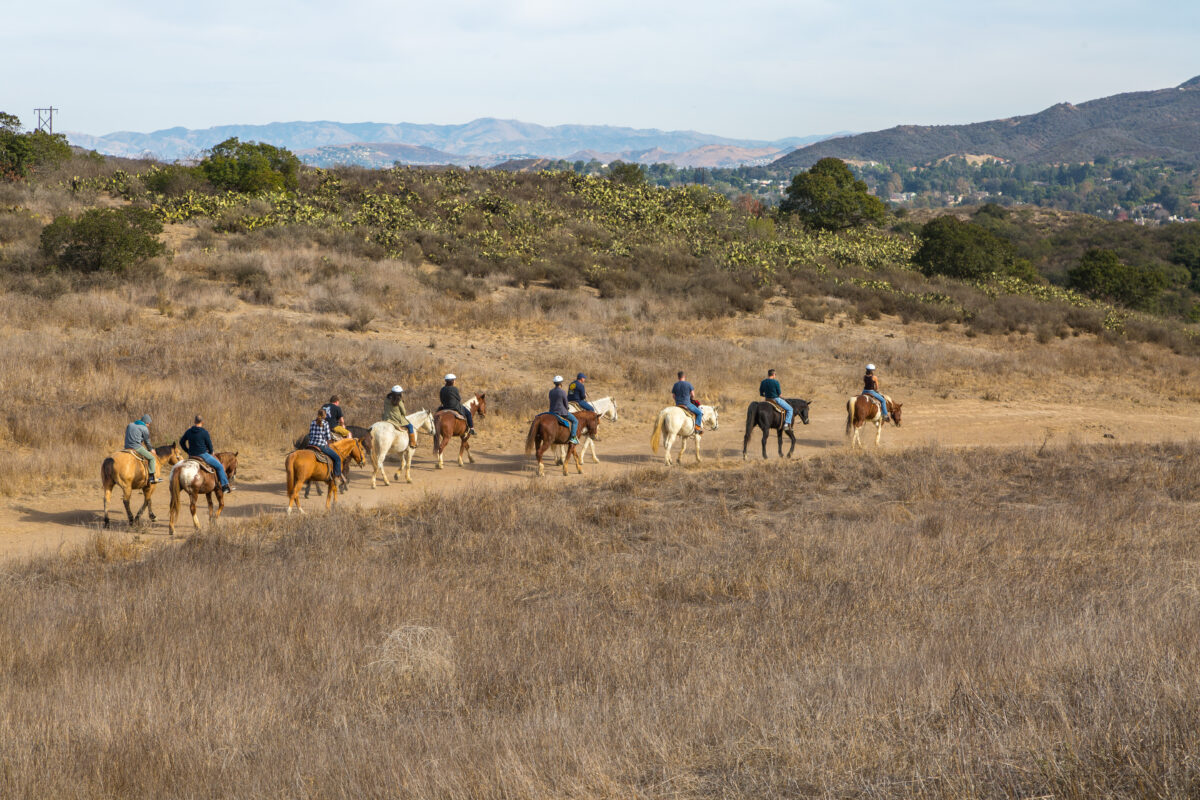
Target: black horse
[(762, 414)]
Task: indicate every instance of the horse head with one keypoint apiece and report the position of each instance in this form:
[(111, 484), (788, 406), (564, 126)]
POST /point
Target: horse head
[(710, 416), (426, 424), (357, 452), (169, 454), (480, 405), (610, 411), (801, 408), (894, 413), (229, 462)]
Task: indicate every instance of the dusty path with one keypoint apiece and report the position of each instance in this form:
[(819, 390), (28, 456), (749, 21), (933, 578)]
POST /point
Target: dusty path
[(44, 523)]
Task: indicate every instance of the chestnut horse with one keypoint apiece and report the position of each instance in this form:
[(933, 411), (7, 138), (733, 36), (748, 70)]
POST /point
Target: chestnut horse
[(126, 470), (447, 425), (546, 431), (188, 476), (862, 409), (302, 466)]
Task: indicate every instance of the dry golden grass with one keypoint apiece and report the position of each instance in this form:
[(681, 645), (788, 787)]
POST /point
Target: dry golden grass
[(929, 624)]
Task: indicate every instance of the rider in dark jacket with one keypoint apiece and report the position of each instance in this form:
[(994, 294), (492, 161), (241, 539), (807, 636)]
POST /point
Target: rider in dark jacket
[(577, 393), (451, 400), (558, 405)]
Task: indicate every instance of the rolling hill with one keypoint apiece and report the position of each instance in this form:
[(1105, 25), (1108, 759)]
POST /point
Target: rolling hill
[(1157, 124)]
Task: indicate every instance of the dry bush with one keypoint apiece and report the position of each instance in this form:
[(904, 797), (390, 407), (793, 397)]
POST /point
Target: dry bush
[(928, 624)]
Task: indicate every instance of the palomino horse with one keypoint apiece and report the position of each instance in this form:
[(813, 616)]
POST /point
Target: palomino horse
[(674, 422), (302, 466), (447, 425), (862, 409), (606, 407), (386, 441), (126, 470), (762, 414), (547, 431), (189, 476)]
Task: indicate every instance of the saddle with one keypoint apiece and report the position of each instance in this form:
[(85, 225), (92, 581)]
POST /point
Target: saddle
[(573, 407), (324, 459), (874, 400), (451, 411), (136, 455), (203, 465), (561, 420), (776, 406)]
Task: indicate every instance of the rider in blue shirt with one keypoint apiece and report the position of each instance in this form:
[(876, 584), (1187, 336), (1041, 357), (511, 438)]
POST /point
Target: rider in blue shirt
[(577, 393), (198, 444), (558, 405), (770, 389), (685, 395)]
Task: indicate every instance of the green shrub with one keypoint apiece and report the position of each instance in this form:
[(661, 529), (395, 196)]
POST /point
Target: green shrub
[(22, 153), (828, 196), (1102, 274), (963, 250), (112, 240), (250, 167)]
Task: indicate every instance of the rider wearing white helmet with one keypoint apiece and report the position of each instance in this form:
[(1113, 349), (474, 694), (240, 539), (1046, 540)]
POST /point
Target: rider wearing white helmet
[(394, 413), (871, 387), (558, 406), (451, 400)]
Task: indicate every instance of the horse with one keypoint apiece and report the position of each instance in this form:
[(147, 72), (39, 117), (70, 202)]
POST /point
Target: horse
[(130, 472), (673, 422), (356, 431), (761, 414), (861, 409), (188, 476), (302, 466), (606, 407), (447, 424), (547, 431), (386, 440)]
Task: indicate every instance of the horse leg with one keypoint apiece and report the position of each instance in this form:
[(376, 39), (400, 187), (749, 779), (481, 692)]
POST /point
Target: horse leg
[(698, 459), (107, 497), (406, 462), (683, 443), (193, 501), (466, 447), (212, 514), (220, 505), (439, 451), (570, 452), (578, 462), (791, 449), (766, 435), (878, 430), (590, 443), (667, 445), (541, 448), (126, 493)]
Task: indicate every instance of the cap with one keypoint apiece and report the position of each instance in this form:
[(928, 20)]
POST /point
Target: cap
[(581, 377), (145, 418), (871, 367), (450, 376), (558, 378), (396, 389)]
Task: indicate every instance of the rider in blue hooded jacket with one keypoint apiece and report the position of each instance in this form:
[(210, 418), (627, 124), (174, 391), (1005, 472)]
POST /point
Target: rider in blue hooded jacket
[(577, 393)]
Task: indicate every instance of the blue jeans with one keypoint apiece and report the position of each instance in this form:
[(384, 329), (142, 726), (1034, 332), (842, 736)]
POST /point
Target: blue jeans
[(335, 458), (585, 405), (470, 419), (786, 408), (882, 400), (695, 409), (211, 460), (571, 418)]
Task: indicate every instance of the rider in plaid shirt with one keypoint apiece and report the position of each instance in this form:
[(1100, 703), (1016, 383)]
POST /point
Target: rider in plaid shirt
[(319, 436)]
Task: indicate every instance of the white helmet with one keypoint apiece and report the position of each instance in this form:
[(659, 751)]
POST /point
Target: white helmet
[(396, 389), (871, 367), (558, 378), (450, 376)]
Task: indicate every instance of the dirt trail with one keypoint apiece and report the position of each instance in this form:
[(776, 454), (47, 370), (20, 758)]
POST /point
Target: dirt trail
[(44, 523)]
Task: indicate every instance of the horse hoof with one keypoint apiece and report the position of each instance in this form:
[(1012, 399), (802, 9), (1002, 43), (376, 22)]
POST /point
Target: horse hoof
[(153, 518)]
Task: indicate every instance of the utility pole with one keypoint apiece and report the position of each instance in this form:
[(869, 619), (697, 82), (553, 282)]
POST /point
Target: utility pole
[(45, 118)]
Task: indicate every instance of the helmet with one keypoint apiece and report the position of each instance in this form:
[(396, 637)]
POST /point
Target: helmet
[(581, 377), (871, 367), (558, 378), (450, 376), (396, 389)]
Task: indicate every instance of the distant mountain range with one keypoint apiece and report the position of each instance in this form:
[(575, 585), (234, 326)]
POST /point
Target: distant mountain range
[(483, 142), (1157, 124)]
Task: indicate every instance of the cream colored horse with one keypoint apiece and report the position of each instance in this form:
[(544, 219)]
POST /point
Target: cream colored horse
[(387, 440), (674, 422)]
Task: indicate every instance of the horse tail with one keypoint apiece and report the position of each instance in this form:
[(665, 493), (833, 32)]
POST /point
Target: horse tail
[(751, 417), (850, 416), (531, 439), (289, 467), (657, 435), (437, 437), (108, 472)]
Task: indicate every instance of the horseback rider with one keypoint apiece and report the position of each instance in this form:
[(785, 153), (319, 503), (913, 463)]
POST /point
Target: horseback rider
[(685, 395), (319, 436), (335, 418), (394, 413), (451, 400), (137, 439), (871, 388), (577, 393), (558, 407), (198, 444), (770, 389)]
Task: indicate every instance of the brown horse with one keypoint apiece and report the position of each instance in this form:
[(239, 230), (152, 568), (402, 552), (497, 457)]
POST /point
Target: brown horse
[(862, 409), (447, 425), (302, 466), (188, 476), (128, 471), (546, 431)]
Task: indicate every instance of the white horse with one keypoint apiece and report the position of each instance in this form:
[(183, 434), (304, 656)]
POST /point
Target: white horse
[(606, 407), (386, 440), (673, 421)]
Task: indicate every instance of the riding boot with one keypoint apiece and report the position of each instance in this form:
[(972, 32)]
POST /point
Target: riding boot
[(471, 432), (153, 479), (226, 489)]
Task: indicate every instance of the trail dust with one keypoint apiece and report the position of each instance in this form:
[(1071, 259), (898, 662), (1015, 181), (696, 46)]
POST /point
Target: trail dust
[(38, 524)]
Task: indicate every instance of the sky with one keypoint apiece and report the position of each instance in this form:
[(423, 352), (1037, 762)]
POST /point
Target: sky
[(755, 69)]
